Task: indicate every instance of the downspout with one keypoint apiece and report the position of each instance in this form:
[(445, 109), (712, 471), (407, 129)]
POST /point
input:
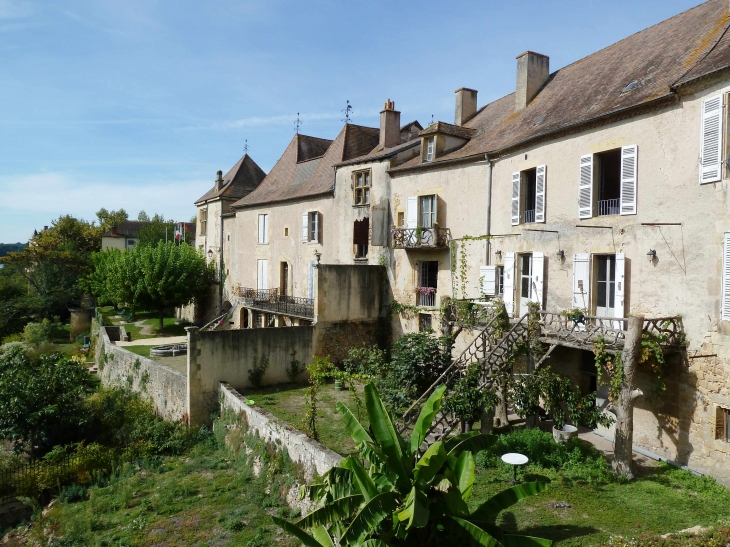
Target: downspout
[(489, 207)]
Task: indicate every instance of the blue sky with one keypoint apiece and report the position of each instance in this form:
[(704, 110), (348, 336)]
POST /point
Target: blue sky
[(137, 104)]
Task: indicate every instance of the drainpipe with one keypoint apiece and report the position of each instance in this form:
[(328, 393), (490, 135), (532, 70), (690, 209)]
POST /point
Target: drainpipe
[(489, 206)]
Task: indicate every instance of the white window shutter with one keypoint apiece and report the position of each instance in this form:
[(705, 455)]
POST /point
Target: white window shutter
[(582, 281), (516, 179), (310, 278), (262, 282), (412, 212), (488, 275), (509, 283), (538, 272), (435, 208), (316, 226), (305, 227), (585, 188), (711, 140), (540, 182), (629, 167), (266, 228), (620, 294), (726, 277)]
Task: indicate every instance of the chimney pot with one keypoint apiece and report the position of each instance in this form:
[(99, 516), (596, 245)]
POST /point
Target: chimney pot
[(533, 70), (219, 180), (466, 105), (389, 125)]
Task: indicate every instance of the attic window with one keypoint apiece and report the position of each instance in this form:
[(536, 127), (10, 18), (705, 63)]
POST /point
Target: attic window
[(430, 149), (631, 86)]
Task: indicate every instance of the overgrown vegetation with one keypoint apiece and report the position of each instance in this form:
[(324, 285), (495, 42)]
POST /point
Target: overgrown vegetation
[(257, 371)]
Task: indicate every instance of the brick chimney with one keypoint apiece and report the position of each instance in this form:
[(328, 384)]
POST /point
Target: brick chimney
[(466, 105), (533, 70), (389, 125), (115, 231), (219, 181)]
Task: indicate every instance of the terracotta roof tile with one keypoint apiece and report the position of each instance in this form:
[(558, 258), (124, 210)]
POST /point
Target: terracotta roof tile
[(240, 180)]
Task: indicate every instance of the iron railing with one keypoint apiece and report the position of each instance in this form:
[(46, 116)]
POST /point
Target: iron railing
[(271, 300), (426, 298), (607, 207), (529, 216), (420, 238)]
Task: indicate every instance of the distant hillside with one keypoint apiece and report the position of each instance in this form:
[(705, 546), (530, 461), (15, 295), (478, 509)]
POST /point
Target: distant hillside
[(6, 248)]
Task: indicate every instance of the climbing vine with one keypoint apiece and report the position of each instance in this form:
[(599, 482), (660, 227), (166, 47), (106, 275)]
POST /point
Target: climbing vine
[(463, 267)]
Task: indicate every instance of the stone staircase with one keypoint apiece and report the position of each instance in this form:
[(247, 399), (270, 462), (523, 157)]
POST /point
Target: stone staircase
[(493, 350)]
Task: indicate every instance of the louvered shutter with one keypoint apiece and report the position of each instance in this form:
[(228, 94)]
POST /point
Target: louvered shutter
[(509, 283), (310, 279), (585, 188), (515, 199), (263, 271), (488, 275), (620, 294), (581, 281), (318, 227), (538, 272), (629, 165), (305, 227), (726, 277), (412, 212), (711, 140), (540, 181)]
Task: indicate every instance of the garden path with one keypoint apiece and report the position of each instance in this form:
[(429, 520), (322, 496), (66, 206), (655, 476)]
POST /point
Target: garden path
[(155, 341)]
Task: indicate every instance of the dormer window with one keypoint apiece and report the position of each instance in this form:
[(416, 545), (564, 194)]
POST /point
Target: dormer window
[(430, 149)]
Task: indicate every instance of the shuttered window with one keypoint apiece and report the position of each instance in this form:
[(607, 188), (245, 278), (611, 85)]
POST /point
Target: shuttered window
[(516, 180), (488, 275), (581, 281), (629, 156), (540, 182), (585, 187), (263, 228), (312, 226), (711, 140), (725, 312)]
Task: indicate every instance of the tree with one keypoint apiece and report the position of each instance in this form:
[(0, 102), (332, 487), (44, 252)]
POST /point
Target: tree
[(157, 231), (404, 498), (151, 278), (41, 400), (142, 217), (110, 219)]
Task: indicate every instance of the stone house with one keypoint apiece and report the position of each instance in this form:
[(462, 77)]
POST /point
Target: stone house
[(124, 236)]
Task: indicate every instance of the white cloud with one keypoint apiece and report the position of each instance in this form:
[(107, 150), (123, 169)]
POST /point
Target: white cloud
[(10, 9)]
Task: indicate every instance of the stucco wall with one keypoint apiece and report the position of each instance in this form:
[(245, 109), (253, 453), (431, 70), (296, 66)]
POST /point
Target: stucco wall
[(227, 356), (166, 388), (313, 456)]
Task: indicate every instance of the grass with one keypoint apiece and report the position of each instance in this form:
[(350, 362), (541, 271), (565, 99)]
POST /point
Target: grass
[(287, 402), (148, 319), (144, 351)]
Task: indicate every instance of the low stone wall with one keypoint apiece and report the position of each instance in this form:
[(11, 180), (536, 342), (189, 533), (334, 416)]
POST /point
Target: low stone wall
[(166, 388), (313, 456)]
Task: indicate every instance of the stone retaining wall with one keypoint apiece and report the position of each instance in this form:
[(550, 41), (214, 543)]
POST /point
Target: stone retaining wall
[(165, 387), (312, 455)]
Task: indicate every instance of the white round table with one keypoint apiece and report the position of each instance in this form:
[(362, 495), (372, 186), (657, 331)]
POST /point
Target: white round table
[(515, 459)]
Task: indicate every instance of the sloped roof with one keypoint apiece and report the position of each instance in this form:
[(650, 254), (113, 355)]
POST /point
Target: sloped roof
[(292, 178), (448, 129), (683, 47), (126, 228), (240, 180)]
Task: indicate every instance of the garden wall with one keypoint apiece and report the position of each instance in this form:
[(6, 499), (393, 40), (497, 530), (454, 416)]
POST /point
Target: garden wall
[(313, 456), (166, 388), (227, 356)]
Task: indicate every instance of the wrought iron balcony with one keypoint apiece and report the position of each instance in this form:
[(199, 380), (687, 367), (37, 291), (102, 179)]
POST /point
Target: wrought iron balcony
[(420, 238), (529, 216), (426, 297), (608, 207), (271, 300)]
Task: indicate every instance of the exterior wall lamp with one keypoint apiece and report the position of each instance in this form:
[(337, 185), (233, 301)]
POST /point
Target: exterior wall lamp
[(560, 254), (651, 254), (210, 253), (498, 253), (318, 256)]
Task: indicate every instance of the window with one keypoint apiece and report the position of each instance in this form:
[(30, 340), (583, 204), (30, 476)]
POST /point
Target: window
[(425, 320), (263, 229), (427, 209), (605, 285), (262, 281), (429, 271), (311, 226), (430, 149), (401, 218), (131, 242), (722, 424), (499, 274), (525, 280), (608, 183), (361, 237), (711, 140), (286, 232), (528, 196), (361, 186), (203, 220), (284, 279), (361, 250)]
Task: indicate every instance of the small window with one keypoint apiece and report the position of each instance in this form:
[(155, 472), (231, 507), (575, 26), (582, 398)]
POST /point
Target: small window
[(286, 232), (361, 186), (229, 237), (425, 321), (430, 149), (203, 219), (361, 250), (401, 218), (722, 424), (263, 229), (313, 226), (499, 275), (361, 237), (131, 242)]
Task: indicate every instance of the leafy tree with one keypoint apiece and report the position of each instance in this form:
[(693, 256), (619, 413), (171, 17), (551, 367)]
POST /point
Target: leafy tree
[(157, 231), (41, 400), (467, 399), (143, 217), (109, 219), (6, 248), (151, 278), (403, 497)]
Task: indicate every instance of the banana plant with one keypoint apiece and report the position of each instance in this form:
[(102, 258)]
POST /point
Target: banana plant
[(393, 495)]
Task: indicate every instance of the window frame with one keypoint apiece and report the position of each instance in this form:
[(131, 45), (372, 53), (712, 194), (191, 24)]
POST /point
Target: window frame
[(432, 213), (722, 412), (361, 193), (498, 280), (430, 149), (263, 235)]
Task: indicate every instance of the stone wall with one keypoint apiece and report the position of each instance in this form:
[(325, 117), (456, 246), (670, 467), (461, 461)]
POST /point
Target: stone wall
[(166, 388), (336, 339), (313, 456), (80, 322)]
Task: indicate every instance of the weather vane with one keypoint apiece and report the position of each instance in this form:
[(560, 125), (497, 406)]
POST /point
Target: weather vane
[(245, 147), (431, 118), (297, 123), (347, 112)]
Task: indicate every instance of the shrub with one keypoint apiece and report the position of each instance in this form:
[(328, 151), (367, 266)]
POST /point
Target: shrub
[(467, 400), (45, 331), (257, 372), (295, 368), (73, 493)]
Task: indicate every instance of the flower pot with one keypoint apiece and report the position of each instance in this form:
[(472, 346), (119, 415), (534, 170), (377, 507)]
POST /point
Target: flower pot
[(562, 436)]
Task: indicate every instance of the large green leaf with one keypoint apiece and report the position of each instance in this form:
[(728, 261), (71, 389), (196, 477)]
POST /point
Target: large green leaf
[(364, 482), (331, 512), (387, 438), (474, 444), (369, 518), (374, 543), (298, 533), (507, 498), (454, 502), (464, 474), (430, 463), (415, 512), (321, 535), (353, 426), (451, 442), (423, 424), (478, 536), (525, 541)]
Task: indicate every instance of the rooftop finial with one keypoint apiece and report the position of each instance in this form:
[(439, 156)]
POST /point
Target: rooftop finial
[(245, 147), (347, 112), (297, 123)]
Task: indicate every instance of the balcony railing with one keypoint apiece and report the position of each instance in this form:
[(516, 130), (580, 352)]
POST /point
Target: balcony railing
[(426, 297), (271, 300), (607, 207), (530, 216), (419, 238)]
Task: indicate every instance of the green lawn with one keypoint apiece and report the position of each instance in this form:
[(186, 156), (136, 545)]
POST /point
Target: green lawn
[(144, 351), (287, 402), (148, 319)]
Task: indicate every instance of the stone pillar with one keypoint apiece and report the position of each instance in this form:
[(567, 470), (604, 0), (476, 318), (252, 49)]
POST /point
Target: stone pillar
[(197, 411)]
